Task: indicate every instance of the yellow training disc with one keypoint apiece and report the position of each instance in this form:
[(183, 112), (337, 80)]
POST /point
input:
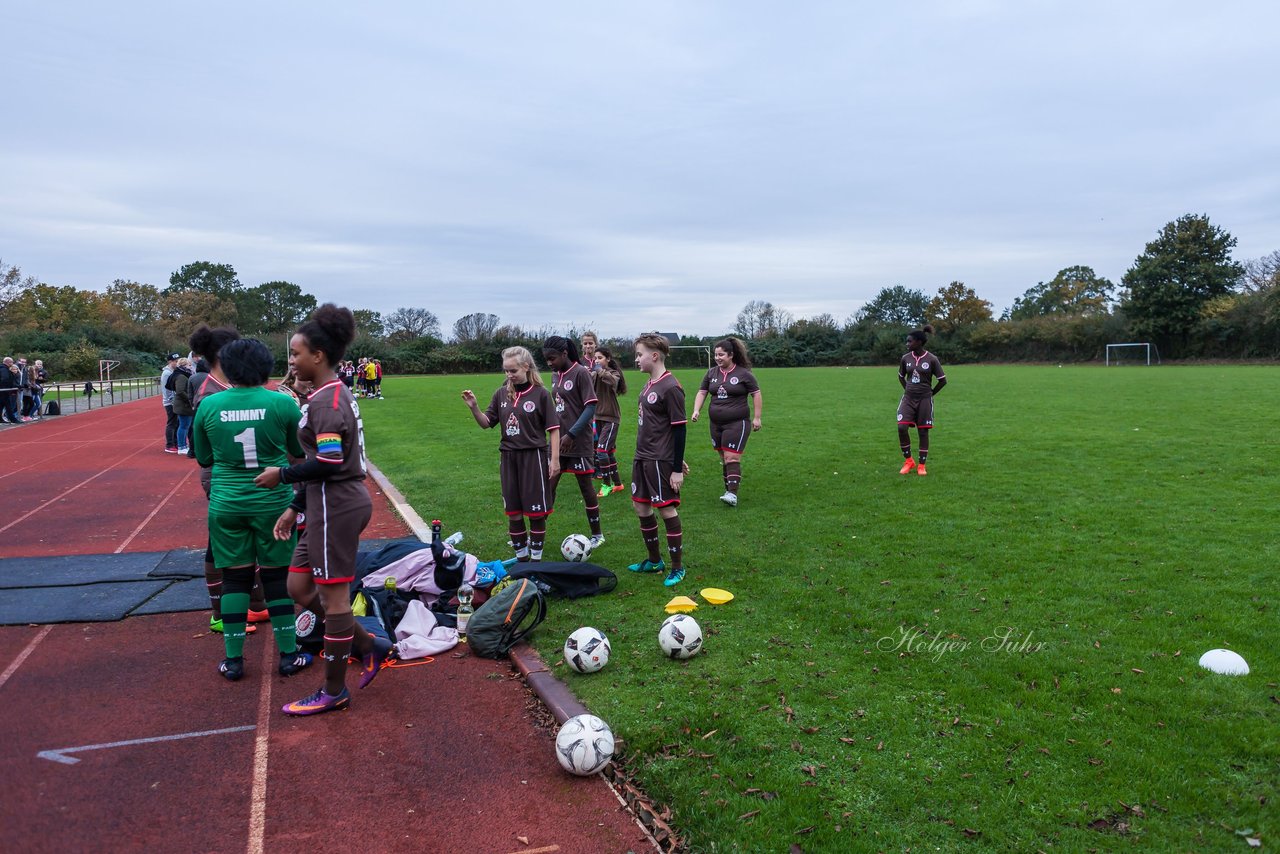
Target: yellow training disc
[(715, 595), (681, 605)]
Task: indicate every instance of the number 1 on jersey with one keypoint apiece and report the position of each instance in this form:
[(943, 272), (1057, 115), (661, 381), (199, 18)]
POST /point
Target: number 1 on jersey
[(249, 440)]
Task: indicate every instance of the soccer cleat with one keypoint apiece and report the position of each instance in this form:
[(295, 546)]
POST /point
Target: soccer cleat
[(490, 573), (647, 565), (215, 625), (294, 662), (604, 490), (597, 540), (674, 577), (730, 498), (232, 669), (259, 616), (618, 488), (318, 703), (372, 663), (920, 470), (907, 466)]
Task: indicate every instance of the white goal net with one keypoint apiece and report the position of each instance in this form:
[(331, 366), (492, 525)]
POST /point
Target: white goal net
[(1142, 353)]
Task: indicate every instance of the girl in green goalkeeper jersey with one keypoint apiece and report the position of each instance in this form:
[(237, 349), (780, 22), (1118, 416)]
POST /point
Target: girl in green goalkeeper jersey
[(240, 432)]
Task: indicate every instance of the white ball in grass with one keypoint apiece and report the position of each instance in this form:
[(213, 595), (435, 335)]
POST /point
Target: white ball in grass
[(1224, 661)]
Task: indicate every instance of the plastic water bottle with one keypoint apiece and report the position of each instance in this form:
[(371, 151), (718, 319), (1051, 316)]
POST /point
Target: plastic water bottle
[(465, 611), (390, 585), (453, 539)]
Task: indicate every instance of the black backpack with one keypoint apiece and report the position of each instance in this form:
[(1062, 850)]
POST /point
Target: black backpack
[(53, 408)]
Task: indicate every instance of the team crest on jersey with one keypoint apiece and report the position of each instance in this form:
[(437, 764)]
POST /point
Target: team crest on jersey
[(721, 394), (733, 380), (513, 426), (528, 406), (653, 397), (915, 376), (559, 404), (568, 385), (303, 421)]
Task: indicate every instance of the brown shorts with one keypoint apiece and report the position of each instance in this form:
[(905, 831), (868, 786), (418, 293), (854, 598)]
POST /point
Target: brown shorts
[(606, 436), (731, 436), (651, 483), (336, 514), (526, 490), (580, 466), (916, 412)]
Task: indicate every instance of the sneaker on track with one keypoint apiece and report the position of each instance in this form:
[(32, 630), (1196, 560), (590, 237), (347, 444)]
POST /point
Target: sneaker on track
[(318, 703), (232, 669), (371, 664), (294, 662)]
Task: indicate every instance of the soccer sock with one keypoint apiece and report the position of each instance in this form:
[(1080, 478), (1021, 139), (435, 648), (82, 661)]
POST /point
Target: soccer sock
[(675, 540), (213, 580), (904, 439), (537, 535), (592, 501), (275, 588), (613, 469), (649, 530), (924, 445), (339, 629), (519, 539), (257, 596), (235, 603), (732, 476)]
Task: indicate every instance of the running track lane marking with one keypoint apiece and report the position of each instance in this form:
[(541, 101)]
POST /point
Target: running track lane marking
[(60, 755), (22, 656), (258, 798), (31, 513), (153, 513)]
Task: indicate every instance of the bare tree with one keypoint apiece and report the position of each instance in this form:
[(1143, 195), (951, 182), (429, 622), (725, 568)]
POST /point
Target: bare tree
[(475, 328), (411, 323), (1260, 274), (760, 318)]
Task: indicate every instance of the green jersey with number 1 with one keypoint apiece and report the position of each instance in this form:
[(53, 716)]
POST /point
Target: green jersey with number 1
[(240, 432)]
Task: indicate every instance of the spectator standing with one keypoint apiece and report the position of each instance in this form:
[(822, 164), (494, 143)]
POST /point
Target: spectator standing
[(37, 376), (9, 391), (183, 406), (166, 400)]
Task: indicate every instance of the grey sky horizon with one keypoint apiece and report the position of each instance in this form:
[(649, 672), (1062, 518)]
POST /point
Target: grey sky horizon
[(630, 167)]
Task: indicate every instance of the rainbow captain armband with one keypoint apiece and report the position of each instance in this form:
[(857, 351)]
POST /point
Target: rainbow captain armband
[(329, 445)]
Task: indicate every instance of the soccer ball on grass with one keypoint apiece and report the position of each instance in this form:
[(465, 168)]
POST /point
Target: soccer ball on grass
[(680, 636), (576, 548), (587, 650)]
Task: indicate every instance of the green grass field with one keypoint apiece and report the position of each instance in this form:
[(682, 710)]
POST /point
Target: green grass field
[(1111, 524)]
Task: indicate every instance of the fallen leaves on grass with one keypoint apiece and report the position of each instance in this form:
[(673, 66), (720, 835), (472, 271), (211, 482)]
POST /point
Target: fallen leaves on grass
[(747, 815)]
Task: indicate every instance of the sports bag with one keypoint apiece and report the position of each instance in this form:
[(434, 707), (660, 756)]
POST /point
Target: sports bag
[(52, 408), (506, 618)]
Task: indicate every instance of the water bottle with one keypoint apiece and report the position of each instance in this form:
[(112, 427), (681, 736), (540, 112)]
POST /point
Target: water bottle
[(390, 585), (464, 611), (453, 539)]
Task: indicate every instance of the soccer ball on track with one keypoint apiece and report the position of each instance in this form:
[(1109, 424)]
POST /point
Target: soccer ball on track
[(680, 636), (587, 650), (584, 745), (576, 548)]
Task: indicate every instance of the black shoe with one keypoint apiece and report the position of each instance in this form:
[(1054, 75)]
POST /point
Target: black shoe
[(232, 669), (294, 662)]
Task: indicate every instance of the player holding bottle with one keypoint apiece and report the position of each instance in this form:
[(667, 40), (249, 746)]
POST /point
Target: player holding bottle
[(523, 410), (729, 384), (658, 471), (916, 373)]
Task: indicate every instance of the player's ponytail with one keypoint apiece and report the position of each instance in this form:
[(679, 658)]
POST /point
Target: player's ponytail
[(330, 330), (206, 342), (563, 345), (612, 364), (921, 335), (735, 348)]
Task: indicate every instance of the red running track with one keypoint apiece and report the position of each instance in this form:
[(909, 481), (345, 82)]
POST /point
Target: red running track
[(450, 755)]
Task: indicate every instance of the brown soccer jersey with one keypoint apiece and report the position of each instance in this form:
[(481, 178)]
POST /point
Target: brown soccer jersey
[(573, 391), (606, 383), (661, 407), (523, 422), (331, 431), (919, 372), (728, 391)]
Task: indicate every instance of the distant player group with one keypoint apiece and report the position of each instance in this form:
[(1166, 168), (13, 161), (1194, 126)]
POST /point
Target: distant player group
[(284, 470)]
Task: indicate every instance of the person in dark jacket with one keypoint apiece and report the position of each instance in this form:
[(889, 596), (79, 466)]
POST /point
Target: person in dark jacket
[(183, 407)]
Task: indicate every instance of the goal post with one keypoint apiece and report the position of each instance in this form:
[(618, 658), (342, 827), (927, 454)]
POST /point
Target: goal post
[(1140, 353), (695, 347)]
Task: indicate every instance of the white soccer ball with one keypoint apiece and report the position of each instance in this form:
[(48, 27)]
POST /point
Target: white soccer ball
[(584, 745), (587, 650), (576, 547), (1224, 661), (680, 636)]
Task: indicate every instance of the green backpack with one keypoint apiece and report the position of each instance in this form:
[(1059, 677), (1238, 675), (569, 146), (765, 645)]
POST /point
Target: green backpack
[(506, 618)]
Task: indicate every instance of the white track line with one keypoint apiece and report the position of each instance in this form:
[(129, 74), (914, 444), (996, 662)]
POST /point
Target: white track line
[(22, 656), (31, 513), (60, 754), (164, 501), (258, 797)]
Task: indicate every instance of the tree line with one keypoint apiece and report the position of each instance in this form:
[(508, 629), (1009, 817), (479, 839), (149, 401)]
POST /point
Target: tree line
[(1184, 293)]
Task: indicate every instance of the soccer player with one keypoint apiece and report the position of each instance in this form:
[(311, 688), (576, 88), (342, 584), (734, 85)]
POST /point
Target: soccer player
[(575, 399), (916, 373), (729, 384), (658, 470), (524, 411), (336, 502), (609, 383), (589, 345), (237, 433)]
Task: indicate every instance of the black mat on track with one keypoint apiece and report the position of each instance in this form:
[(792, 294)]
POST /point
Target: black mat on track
[(22, 572), (83, 603)]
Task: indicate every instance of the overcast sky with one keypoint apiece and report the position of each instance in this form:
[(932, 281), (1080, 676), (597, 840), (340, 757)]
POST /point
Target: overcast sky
[(630, 166)]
